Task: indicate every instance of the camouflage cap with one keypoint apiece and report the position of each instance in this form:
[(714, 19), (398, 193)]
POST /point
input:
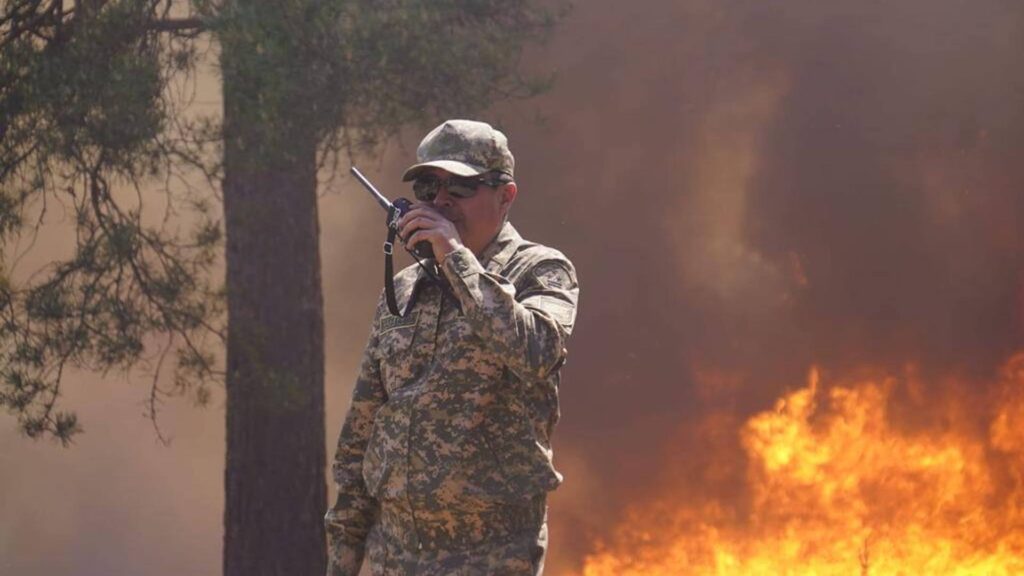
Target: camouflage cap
[(464, 148)]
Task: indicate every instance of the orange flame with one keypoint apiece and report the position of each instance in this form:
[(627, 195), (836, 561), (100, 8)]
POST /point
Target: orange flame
[(836, 488)]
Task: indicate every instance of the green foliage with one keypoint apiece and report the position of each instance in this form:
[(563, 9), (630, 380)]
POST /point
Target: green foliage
[(84, 104), (91, 96), (87, 108), (352, 72)]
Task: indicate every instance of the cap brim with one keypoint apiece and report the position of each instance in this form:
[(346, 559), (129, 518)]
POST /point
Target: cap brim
[(451, 166)]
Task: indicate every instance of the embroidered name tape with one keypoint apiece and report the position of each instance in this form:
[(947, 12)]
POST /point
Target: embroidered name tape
[(390, 322)]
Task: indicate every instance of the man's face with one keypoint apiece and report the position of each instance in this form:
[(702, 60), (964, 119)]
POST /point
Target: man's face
[(478, 218)]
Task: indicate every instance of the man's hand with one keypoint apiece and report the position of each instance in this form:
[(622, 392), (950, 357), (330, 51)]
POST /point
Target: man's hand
[(424, 223)]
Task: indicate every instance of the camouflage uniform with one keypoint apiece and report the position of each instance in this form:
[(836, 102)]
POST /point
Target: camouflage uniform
[(444, 459)]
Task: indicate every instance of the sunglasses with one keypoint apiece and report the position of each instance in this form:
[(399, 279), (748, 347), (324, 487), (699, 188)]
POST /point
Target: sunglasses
[(426, 187)]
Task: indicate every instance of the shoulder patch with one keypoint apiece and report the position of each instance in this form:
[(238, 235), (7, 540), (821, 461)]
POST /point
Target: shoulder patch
[(553, 276)]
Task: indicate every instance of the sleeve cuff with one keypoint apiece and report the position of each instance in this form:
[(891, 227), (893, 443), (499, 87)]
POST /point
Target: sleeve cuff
[(461, 263)]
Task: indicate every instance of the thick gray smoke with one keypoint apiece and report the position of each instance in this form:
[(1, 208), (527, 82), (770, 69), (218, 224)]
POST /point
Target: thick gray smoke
[(751, 188)]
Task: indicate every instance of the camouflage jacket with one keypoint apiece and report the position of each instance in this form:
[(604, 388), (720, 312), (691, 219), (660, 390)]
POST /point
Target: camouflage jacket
[(455, 402)]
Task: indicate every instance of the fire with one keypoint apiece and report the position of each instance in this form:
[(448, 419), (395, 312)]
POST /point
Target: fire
[(834, 486)]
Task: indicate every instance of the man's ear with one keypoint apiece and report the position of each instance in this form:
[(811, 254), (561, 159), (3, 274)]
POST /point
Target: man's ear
[(508, 194)]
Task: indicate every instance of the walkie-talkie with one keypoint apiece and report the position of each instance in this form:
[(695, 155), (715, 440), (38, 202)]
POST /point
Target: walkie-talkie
[(395, 210)]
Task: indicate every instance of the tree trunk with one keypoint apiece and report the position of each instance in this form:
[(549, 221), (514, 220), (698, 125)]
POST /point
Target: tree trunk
[(275, 491)]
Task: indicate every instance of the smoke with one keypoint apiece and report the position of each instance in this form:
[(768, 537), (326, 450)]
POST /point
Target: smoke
[(750, 188)]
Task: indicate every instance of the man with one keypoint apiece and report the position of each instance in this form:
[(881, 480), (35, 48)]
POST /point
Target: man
[(444, 460)]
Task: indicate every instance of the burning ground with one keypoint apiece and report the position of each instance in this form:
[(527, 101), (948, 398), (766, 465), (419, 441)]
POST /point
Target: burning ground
[(833, 485)]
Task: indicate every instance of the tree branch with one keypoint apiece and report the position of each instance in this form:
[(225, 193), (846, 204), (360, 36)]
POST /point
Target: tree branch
[(185, 26)]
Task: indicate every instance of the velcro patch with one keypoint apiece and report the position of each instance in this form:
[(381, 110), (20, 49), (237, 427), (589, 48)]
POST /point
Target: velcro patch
[(553, 276), (389, 322), (562, 312)]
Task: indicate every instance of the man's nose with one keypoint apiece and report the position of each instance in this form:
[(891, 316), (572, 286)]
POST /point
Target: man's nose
[(442, 198)]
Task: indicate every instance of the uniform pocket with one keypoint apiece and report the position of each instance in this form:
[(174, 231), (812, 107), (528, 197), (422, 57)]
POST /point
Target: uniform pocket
[(396, 359), (385, 444), (375, 462), (524, 463)]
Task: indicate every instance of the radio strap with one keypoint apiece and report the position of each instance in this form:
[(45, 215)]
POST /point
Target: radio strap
[(389, 269)]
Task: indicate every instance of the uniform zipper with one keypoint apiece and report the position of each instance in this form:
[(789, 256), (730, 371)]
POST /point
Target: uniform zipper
[(412, 414), (408, 469)]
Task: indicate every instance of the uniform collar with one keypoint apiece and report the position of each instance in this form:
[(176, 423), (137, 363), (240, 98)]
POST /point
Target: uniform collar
[(497, 253)]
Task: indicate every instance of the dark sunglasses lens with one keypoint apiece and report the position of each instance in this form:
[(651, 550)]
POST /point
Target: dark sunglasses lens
[(462, 189), (425, 189)]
